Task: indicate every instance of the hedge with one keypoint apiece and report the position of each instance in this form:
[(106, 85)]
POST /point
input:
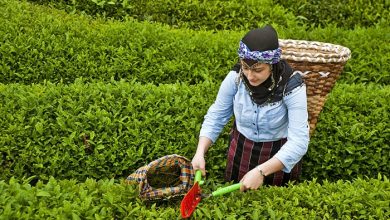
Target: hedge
[(109, 199), (194, 14), (108, 130), (347, 14), (40, 44), (235, 15), (352, 133), (96, 130)]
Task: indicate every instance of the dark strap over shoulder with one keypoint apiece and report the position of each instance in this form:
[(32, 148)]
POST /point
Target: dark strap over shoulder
[(293, 82), (237, 67)]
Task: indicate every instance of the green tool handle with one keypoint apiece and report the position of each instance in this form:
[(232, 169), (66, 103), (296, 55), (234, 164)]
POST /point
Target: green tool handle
[(198, 176), (226, 189)]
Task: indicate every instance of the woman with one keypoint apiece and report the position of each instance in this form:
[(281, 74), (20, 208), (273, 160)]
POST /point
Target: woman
[(270, 134)]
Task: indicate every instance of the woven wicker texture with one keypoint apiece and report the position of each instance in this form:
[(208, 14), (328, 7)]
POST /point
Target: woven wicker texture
[(320, 64)]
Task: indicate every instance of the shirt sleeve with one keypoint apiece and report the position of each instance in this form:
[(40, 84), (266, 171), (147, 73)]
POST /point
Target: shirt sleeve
[(221, 110), (298, 129)]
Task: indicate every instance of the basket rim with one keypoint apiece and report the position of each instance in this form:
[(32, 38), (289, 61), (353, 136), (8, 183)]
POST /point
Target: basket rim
[(313, 51)]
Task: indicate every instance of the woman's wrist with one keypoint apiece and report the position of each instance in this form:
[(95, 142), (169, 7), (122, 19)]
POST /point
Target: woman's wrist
[(260, 170), (203, 145), (199, 154)]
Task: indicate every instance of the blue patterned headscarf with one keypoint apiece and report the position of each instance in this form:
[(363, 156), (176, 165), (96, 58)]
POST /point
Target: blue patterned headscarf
[(268, 56), (261, 45)]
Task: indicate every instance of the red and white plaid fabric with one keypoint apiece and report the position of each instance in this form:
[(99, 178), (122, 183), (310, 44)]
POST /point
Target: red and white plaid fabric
[(244, 155)]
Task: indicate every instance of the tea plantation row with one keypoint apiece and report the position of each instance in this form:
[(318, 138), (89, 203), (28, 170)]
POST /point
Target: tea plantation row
[(98, 130), (41, 44), (235, 14), (107, 199)]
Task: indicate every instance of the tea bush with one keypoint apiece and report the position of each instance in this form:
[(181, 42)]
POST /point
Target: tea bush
[(354, 119), (347, 14), (40, 44), (235, 15), (194, 14), (109, 199), (108, 130), (96, 130)]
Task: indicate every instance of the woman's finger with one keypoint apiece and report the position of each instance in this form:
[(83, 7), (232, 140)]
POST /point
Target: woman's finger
[(242, 186)]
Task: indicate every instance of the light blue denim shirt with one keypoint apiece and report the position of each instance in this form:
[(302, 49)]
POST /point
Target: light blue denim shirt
[(269, 122)]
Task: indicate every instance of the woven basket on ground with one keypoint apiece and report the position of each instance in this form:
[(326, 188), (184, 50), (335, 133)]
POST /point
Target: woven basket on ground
[(320, 64), (164, 178)]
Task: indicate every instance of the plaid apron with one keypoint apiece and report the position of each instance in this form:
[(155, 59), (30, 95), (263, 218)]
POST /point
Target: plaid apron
[(244, 155)]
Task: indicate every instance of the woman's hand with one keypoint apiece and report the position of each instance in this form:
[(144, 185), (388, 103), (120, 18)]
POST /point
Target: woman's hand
[(199, 163), (251, 180)]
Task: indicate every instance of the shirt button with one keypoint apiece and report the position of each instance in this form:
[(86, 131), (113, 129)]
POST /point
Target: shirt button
[(255, 111), (254, 124), (255, 133)]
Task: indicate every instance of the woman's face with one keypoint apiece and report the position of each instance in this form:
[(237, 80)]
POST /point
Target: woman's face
[(255, 72)]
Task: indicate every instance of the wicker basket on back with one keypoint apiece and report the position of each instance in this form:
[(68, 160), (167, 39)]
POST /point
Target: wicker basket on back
[(320, 64)]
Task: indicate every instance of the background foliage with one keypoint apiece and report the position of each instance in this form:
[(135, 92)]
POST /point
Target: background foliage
[(93, 89), (234, 14), (40, 44)]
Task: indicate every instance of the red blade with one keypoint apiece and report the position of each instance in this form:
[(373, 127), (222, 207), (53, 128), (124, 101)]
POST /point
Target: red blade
[(190, 201)]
